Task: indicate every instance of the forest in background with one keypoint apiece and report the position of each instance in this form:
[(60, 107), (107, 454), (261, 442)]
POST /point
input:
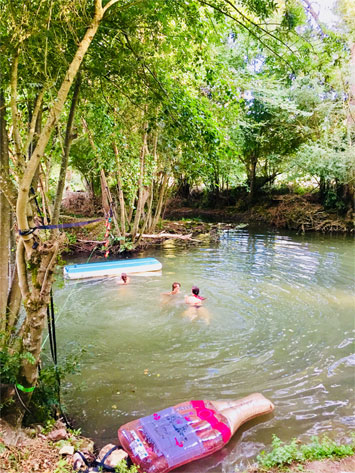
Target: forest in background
[(151, 100)]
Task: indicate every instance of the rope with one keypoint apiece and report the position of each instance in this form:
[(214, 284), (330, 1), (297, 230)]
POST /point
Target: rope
[(59, 225), (50, 308), (20, 399), (50, 319)]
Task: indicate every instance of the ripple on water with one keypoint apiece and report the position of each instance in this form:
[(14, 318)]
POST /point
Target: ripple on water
[(281, 310)]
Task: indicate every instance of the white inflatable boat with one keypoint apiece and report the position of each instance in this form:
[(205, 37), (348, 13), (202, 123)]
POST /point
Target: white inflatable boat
[(111, 268)]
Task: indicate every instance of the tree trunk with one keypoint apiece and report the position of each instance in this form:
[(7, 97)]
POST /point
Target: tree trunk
[(67, 144), (107, 201), (131, 208), (5, 217), (351, 113), (36, 303), (13, 303), (160, 203), (149, 211), (42, 256), (53, 116), (33, 124), (252, 179), (120, 192), (139, 208)]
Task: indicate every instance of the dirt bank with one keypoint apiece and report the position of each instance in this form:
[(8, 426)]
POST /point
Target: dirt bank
[(36, 450), (290, 211), (90, 239), (40, 450)]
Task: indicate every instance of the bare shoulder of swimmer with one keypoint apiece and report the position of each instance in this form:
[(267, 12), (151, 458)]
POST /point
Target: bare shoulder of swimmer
[(190, 300)]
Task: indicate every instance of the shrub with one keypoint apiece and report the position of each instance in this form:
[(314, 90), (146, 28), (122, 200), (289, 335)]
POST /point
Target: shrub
[(284, 454)]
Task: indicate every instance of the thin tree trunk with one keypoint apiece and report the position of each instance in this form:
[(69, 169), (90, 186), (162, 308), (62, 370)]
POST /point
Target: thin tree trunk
[(52, 119), (131, 207), (252, 179), (37, 299), (107, 201), (67, 144), (14, 111), (5, 216), (351, 112), (149, 212), (34, 123), (38, 129), (139, 208), (46, 209), (13, 302), (120, 192), (159, 207)]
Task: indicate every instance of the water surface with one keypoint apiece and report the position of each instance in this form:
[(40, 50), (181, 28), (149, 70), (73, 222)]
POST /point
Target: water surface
[(281, 323)]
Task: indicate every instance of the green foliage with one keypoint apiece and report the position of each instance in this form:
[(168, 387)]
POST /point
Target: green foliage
[(10, 363), (123, 468), (284, 454), (45, 401), (63, 467), (71, 237), (2, 447)]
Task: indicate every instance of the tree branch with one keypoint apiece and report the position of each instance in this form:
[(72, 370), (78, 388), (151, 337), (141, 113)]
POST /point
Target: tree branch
[(53, 116), (49, 267), (33, 121), (248, 29), (14, 110), (21, 270), (257, 26)]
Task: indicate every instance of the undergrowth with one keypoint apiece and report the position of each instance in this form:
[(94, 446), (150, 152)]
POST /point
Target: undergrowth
[(283, 454), (123, 468)]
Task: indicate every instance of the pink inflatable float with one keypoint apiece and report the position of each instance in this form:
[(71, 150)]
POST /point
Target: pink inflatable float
[(188, 431)]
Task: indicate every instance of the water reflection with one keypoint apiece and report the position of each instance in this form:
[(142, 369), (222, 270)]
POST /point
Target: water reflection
[(281, 311)]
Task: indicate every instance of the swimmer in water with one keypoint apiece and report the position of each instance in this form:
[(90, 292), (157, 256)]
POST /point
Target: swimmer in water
[(124, 280), (194, 299), (196, 311), (175, 289)]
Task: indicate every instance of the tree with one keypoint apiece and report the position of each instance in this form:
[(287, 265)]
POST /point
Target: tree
[(35, 254)]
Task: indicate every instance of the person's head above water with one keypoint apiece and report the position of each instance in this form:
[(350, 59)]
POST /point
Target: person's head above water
[(175, 286), (124, 277), (195, 290)]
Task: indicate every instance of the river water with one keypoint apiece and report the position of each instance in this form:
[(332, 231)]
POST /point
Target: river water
[(281, 311)]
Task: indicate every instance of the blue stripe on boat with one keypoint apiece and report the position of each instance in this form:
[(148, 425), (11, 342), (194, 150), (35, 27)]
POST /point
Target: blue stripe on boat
[(92, 267)]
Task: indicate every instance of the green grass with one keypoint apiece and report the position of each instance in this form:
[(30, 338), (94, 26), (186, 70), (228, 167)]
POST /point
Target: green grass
[(283, 454)]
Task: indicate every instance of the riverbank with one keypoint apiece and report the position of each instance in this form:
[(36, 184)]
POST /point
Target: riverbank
[(90, 239), (189, 224), (301, 213), (51, 450)]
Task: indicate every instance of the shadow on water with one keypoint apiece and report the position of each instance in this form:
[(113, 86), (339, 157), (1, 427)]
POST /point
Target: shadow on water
[(281, 310)]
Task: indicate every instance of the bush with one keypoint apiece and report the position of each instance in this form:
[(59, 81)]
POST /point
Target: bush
[(284, 454), (45, 401)]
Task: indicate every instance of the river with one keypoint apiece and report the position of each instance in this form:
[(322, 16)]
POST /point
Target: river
[(281, 310)]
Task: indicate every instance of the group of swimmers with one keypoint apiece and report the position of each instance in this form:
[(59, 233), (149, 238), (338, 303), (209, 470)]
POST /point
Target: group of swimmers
[(193, 300)]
